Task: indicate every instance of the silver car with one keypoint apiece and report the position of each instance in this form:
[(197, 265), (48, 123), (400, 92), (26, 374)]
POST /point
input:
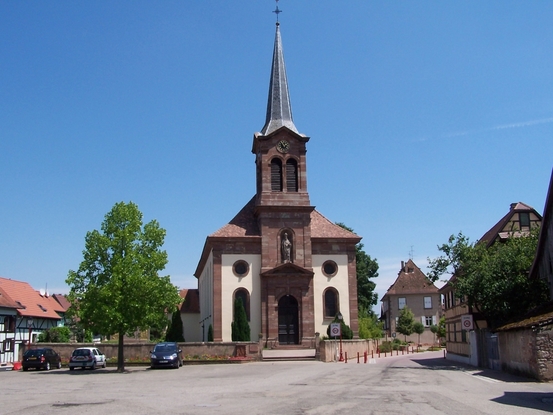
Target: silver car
[(84, 357)]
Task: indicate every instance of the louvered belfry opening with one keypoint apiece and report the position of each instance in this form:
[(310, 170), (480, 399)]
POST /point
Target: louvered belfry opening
[(292, 175), (276, 175)]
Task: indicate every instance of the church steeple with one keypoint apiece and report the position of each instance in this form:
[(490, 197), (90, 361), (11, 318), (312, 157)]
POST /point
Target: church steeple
[(279, 109)]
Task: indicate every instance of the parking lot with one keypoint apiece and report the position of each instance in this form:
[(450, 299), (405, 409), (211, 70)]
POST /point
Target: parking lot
[(415, 384)]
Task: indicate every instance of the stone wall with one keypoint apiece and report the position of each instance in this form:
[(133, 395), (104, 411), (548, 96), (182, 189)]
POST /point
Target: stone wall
[(328, 349), (142, 350), (528, 353)]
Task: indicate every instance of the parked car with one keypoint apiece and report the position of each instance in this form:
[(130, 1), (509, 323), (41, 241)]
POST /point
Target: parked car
[(166, 354), (84, 357), (43, 358)]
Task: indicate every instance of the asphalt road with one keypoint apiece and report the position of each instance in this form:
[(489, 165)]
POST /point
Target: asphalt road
[(411, 384)]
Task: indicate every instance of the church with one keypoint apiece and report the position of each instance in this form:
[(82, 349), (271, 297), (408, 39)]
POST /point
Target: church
[(293, 269)]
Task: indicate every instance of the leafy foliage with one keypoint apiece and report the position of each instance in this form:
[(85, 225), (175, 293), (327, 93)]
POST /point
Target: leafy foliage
[(347, 333), (405, 322), (367, 269), (494, 280), (418, 328), (240, 326), (116, 288), (55, 335), (175, 332), (210, 333), (369, 326)]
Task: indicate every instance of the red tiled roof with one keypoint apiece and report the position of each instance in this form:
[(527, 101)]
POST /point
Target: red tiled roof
[(244, 224), (34, 304), (191, 302), (62, 300), (414, 282), (6, 301)]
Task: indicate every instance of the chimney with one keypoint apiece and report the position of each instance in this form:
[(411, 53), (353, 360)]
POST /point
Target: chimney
[(402, 265)]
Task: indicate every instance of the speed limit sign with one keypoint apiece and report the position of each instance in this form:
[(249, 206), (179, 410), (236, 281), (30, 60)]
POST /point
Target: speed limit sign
[(335, 329)]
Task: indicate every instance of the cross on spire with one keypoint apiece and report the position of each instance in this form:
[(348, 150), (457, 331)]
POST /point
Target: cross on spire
[(277, 11)]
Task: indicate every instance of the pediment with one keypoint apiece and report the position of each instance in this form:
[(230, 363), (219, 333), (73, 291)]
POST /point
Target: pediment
[(287, 269)]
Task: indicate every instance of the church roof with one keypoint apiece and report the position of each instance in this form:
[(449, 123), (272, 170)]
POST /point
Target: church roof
[(411, 280), (244, 224), (279, 108), (191, 303)]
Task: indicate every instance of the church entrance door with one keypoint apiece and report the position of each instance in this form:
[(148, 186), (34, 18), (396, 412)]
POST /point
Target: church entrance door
[(288, 332)]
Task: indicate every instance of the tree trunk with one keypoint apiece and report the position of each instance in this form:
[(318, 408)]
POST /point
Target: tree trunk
[(120, 354)]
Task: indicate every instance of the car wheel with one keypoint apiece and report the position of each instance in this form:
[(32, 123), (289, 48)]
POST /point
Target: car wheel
[(71, 368), (93, 366), (25, 369), (59, 364), (104, 365), (47, 367)]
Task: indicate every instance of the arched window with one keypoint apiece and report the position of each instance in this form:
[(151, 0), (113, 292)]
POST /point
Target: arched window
[(276, 175), (291, 175), (330, 301), (244, 296)]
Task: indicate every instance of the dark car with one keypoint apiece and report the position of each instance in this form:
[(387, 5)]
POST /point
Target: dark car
[(44, 358), (166, 354)]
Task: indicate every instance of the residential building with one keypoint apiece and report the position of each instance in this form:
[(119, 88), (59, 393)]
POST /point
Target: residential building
[(35, 312), (462, 342), (414, 290)]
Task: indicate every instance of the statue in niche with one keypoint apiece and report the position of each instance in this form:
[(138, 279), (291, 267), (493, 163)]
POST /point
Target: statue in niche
[(286, 247)]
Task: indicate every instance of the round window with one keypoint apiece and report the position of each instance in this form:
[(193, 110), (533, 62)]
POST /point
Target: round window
[(330, 268), (240, 268)]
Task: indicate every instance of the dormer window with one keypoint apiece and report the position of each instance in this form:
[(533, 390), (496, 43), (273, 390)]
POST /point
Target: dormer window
[(524, 218), (42, 308)]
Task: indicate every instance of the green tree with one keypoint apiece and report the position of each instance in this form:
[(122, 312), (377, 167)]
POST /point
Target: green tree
[(175, 332), (493, 280), (369, 326), (55, 335), (418, 328), (117, 289), (240, 326), (439, 330), (367, 269), (405, 322), (210, 333)]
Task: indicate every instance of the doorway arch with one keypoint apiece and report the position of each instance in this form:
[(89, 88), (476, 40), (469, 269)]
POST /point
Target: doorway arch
[(288, 327)]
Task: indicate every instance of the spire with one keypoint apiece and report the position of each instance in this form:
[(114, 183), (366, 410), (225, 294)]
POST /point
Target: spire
[(279, 109)]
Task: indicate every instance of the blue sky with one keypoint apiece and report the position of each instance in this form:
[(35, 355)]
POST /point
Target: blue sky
[(426, 118)]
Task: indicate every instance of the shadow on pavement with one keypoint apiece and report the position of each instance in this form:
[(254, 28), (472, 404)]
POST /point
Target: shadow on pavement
[(534, 400)]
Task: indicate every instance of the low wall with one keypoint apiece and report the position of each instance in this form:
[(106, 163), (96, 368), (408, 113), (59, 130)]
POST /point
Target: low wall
[(141, 350), (329, 350)]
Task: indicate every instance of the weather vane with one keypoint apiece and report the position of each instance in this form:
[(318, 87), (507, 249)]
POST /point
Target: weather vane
[(277, 11)]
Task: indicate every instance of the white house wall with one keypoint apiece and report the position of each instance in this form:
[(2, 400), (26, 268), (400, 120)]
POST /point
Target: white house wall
[(321, 282), (205, 285), (230, 283)]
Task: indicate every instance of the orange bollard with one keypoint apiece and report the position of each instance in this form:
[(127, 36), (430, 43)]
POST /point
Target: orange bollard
[(365, 357), (357, 357)]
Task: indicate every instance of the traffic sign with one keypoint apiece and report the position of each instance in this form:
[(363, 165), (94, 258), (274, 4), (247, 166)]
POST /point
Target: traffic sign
[(466, 322), (335, 329)]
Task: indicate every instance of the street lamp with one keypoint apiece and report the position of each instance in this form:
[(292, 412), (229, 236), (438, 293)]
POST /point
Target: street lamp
[(340, 318)]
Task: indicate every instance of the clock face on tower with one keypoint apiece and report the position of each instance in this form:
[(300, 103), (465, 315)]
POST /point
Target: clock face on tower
[(283, 146)]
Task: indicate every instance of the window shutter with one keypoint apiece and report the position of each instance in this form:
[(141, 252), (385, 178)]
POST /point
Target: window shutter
[(423, 320), (434, 320), (276, 176), (291, 176)]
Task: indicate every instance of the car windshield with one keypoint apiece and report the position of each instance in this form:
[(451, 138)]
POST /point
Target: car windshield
[(81, 352), (35, 352), (165, 348)]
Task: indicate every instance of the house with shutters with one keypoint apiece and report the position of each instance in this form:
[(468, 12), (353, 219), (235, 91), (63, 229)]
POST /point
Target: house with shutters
[(414, 290), (292, 268), (477, 346), (24, 314)]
